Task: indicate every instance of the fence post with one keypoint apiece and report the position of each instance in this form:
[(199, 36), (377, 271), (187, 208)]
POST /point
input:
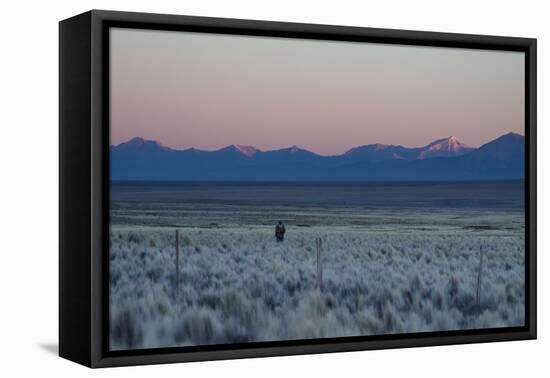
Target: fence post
[(318, 244), (177, 260), (479, 276)]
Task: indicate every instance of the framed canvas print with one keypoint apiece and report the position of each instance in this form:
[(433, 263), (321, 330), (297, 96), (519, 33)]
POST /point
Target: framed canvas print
[(235, 188)]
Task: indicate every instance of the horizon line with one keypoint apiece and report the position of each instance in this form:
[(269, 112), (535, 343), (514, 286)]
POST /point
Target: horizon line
[(243, 146)]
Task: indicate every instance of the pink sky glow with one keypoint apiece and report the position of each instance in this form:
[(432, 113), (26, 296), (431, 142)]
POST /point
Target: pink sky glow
[(208, 91)]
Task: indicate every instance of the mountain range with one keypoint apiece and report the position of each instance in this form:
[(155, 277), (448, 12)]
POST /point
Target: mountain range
[(445, 159)]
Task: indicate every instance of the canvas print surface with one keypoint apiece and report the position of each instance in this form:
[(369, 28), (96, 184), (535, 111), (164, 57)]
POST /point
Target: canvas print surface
[(276, 189)]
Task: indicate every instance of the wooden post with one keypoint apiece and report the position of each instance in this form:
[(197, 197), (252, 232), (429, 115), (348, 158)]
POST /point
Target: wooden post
[(479, 276), (177, 260), (318, 244)]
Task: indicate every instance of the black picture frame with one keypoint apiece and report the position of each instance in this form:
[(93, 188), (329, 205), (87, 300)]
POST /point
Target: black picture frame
[(84, 187)]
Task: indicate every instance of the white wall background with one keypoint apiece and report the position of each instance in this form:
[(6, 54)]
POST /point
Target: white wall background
[(29, 186)]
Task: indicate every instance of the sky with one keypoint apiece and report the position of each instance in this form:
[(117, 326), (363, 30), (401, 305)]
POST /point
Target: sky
[(209, 91)]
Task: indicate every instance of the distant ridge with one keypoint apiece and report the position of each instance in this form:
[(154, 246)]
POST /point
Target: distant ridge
[(138, 143), (443, 159)]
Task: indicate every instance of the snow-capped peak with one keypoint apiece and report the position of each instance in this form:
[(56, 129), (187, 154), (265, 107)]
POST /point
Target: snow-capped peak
[(246, 150), (451, 143), (294, 149), (444, 147)]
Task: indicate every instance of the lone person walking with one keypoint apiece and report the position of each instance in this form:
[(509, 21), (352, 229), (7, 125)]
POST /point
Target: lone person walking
[(280, 231)]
